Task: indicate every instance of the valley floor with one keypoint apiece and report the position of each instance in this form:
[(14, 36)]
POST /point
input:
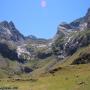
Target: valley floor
[(73, 77)]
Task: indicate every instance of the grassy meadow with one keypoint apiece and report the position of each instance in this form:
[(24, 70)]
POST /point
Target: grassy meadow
[(73, 77)]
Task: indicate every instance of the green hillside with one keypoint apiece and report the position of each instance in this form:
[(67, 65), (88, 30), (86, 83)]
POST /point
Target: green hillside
[(63, 76)]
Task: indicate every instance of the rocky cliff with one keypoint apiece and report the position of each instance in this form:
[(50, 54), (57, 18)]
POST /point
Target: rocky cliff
[(70, 37)]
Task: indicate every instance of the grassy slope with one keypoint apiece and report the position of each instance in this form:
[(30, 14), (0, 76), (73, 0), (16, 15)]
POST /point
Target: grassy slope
[(70, 77)]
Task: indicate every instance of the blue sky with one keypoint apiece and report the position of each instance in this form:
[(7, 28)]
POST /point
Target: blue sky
[(30, 17)]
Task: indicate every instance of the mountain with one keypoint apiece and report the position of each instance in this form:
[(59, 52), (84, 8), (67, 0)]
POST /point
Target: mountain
[(70, 37), (63, 60), (9, 32), (29, 53), (17, 50), (84, 21), (79, 24), (31, 37), (11, 36)]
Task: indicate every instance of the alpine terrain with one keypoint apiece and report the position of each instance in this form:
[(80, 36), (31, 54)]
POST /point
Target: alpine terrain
[(59, 63)]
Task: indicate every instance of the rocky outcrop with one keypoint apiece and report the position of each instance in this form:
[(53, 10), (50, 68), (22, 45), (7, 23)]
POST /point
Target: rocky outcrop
[(23, 53), (84, 58), (43, 55), (25, 69), (6, 52), (77, 42)]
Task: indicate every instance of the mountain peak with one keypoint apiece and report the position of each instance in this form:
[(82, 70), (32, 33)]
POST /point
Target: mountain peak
[(9, 25), (88, 12), (8, 31), (12, 26), (32, 37), (5, 24)]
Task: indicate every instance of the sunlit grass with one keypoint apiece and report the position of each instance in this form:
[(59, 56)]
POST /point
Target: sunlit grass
[(68, 78)]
